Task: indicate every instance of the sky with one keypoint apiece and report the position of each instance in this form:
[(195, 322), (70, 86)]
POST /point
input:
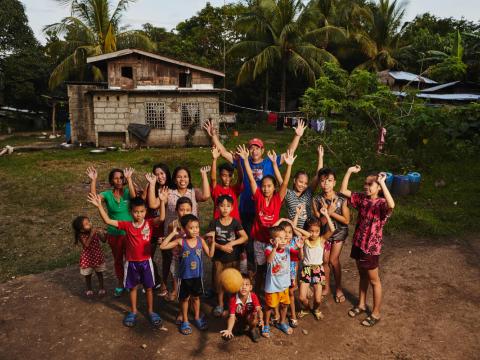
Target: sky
[(168, 13)]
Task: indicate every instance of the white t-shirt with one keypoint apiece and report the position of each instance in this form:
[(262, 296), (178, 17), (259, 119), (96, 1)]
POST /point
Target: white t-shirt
[(313, 255)]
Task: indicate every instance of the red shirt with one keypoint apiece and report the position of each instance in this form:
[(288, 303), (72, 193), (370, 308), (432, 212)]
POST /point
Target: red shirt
[(238, 308), (372, 216), (138, 240), (232, 191), (265, 215)]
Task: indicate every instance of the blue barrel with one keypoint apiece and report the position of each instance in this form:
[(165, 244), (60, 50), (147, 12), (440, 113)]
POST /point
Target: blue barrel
[(401, 185), (68, 132), (389, 180), (414, 179)]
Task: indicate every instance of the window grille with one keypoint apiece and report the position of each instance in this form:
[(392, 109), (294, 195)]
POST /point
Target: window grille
[(190, 114), (155, 115)]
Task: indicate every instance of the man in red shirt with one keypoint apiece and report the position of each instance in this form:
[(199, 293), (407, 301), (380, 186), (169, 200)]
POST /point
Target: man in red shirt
[(138, 265), (245, 310)]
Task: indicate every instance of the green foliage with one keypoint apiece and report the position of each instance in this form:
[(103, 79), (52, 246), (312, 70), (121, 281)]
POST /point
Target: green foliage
[(450, 69)]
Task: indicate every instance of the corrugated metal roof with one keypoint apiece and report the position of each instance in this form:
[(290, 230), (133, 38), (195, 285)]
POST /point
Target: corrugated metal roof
[(452, 97), (403, 75), (399, 93), (439, 87), (154, 56)]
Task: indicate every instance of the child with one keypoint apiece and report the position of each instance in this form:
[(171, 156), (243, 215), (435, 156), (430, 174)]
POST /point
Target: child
[(278, 279), (138, 264), (117, 204), (91, 258), (373, 213), (337, 206), (302, 191), (313, 273), (229, 237), (245, 312), (191, 268), (268, 203), (225, 186)]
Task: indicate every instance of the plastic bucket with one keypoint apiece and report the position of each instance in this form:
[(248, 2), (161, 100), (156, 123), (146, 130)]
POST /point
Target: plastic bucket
[(401, 185), (414, 179), (389, 180)]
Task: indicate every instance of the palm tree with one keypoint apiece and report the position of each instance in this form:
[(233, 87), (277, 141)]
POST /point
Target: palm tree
[(381, 41), (281, 34), (93, 28)]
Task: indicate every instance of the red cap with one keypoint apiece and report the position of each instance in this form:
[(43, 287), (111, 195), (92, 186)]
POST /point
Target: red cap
[(255, 141)]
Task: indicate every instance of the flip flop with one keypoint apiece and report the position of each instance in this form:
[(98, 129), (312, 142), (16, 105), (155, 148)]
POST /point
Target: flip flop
[(130, 319), (101, 292), (89, 293), (293, 323), (118, 292), (266, 331), (339, 298), (185, 328), (201, 324), (285, 328), (318, 314), (353, 312), (370, 321), (218, 311), (155, 319)]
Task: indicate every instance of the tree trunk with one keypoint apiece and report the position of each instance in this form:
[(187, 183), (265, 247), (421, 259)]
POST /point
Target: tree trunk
[(283, 89), (266, 90)]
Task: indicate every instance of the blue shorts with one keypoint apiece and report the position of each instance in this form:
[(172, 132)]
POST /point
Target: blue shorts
[(139, 272)]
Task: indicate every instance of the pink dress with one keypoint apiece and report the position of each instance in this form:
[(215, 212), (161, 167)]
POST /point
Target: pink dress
[(92, 255)]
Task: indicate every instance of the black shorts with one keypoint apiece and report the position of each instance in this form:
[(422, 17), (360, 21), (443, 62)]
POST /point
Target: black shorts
[(190, 287), (365, 261)]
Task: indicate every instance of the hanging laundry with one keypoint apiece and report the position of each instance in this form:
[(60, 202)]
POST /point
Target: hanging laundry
[(317, 125), (272, 118)]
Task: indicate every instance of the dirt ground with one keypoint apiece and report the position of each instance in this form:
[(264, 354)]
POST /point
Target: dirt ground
[(431, 311)]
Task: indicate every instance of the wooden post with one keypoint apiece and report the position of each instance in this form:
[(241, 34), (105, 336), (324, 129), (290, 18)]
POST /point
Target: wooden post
[(53, 118)]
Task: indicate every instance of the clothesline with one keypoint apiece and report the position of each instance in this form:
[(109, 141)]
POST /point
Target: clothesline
[(259, 110)]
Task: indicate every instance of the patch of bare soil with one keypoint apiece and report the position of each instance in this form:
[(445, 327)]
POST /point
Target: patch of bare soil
[(431, 311)]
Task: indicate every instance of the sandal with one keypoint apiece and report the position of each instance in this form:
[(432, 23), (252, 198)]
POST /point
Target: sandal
[(339, 298), (130, 319), (155, 319), (101, 292), (302, 313), (353, 312), (201, 323), (274, 321), (163, 293), (118, 292), (370, 321), (266, 331), (185, 328), (318, 314), (89, 293), (285, 328), (218, 311), (293, 323)]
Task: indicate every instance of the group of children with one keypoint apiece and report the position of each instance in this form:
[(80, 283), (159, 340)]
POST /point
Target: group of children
[(275, 255)]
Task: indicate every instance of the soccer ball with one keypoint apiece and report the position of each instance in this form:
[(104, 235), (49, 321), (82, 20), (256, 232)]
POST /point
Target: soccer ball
[(231, 280)]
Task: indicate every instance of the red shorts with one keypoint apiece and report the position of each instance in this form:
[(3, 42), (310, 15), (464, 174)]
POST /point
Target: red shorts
[(364, 261)]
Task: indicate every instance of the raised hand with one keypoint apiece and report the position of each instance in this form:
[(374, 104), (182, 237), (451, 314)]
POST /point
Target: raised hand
[(242, 152), (209, 128), (128, 172), (94, 199), (355, 169), (215, 153), (272, 155), (300, 129), (333, 206), (299, 209), (163, 194), (152, 179), (382, 177), (227, 334), (320, 151), (92, 173), (274, 242), (289, 158), (324, 211), (205, 169)]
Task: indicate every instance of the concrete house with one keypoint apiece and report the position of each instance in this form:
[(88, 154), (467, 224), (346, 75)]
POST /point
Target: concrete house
[(170, 98)]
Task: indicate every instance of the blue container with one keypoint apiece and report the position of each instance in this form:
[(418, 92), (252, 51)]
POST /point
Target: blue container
[(389, 180), (401, 185), (68, 132), (414, 178)]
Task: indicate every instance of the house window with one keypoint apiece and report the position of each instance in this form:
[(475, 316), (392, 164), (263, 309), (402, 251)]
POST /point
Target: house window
[(190, 114), (155, 115), (127, 72), (185, 80)]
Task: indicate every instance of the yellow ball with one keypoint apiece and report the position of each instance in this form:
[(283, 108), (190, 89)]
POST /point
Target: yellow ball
[(231, 280)]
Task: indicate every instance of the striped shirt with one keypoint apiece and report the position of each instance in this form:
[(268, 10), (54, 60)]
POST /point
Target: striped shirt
[(292, 201)]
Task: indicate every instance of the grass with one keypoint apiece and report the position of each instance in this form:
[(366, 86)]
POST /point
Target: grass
[(44, 191)]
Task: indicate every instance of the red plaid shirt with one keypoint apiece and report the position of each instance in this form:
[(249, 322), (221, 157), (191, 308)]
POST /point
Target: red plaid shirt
[(372, 216)]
